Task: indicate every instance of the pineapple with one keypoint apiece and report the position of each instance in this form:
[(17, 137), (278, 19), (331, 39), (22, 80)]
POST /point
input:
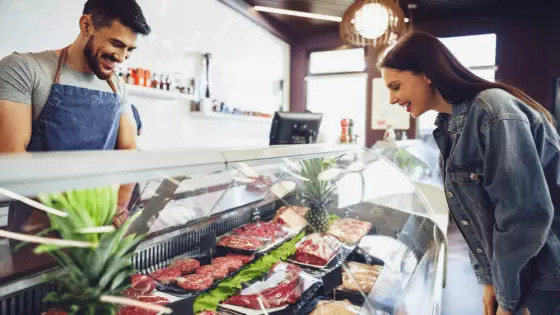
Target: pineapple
[(89, 273), (317, 194)]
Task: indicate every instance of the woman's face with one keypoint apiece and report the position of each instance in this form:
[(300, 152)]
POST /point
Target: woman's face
[(414, 93)]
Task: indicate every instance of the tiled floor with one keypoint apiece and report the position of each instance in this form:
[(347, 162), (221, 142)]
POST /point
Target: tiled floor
[(463, 295)]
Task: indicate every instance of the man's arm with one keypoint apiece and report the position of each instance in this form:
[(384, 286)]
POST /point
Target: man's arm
[(15, 126), (126, 140)]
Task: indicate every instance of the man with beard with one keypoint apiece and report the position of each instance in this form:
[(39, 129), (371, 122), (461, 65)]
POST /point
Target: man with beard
[(71, 98)]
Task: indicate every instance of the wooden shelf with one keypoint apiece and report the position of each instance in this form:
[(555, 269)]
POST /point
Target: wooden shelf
[(146, 92), (222, 116)]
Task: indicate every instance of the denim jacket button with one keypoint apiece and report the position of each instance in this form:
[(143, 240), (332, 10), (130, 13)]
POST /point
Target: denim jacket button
[(479, 250), (473, 175), (449, 194), (464, 222)]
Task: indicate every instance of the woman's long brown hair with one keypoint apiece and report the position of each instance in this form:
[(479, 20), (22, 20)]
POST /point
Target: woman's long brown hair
[(422, 53)]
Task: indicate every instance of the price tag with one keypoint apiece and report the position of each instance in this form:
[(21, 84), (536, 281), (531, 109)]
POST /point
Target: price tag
[(184, 306), (208, 241), (332, 280)]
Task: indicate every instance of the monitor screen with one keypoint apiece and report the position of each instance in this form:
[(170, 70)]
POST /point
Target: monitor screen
[(295, 128)]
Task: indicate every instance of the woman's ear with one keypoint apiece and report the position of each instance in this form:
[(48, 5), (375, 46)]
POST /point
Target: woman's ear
[(427, 79)]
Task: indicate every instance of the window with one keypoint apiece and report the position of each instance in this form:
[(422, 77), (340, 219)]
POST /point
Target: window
[(476, 52), (337, 61)]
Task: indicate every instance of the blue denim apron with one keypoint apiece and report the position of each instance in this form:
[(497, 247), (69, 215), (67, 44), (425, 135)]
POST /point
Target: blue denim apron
[(73, 118)]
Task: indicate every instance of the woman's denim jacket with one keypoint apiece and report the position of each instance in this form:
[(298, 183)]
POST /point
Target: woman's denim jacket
[(501, 162)]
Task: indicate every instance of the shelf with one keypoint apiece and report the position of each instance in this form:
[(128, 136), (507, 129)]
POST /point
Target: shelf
[(222, 116), (142, 91)]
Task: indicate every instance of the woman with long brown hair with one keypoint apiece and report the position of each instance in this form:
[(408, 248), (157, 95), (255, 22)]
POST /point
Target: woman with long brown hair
[(500, 156)]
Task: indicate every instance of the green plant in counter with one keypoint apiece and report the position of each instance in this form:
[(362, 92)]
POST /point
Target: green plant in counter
[(317, 194), (92, 272)]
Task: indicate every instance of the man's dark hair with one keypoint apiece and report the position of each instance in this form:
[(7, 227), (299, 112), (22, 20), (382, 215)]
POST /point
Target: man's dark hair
[(128, 12)]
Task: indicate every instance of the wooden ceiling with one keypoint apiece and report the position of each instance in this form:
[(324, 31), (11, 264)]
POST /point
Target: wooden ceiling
[(427, 10)]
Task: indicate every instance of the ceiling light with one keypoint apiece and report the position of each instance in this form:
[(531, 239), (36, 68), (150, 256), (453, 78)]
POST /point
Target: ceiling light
[(299, 13), (372, 20)]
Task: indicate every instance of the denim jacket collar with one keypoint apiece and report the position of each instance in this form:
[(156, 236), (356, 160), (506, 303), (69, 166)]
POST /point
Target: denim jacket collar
[(456, 119)]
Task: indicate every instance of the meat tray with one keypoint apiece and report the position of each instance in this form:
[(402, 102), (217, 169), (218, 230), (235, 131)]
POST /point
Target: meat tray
[(176, 290), (310, 285), (268, 245)]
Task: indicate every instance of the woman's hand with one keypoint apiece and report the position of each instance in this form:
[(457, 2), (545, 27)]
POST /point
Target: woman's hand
[(120, 216), (489, 300)]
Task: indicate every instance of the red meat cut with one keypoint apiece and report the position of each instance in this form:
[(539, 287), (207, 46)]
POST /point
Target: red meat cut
[(230, 263), (208, 313), (240, 242), (142, 285), (287, 291), (317, 249), (266, 230), (154, 299), (216, 272), (186, 265), (135, 310), (196, 282), (244, 258), (166, 275)]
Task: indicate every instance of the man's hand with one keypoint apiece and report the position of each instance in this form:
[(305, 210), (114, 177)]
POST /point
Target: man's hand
[(120, 216), (489, 300)]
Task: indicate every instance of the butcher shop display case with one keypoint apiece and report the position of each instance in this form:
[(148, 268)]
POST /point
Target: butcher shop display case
[(310, 229)]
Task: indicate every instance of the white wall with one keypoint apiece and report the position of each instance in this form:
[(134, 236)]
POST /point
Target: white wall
[(247, 62)]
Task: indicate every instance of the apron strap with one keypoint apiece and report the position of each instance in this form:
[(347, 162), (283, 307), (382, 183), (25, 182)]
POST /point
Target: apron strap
[(62, 60)]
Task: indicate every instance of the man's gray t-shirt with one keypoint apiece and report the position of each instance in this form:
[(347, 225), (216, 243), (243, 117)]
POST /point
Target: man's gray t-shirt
[(27, 78)]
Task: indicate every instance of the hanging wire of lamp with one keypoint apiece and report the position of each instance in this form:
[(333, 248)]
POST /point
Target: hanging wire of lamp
[(372, 23)]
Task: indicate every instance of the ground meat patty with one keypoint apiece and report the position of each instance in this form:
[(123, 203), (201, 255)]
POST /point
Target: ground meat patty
[(166, 275), (244, 258), (195, 282), (186, 265), (240, 242), (230, 263), (216, 272)]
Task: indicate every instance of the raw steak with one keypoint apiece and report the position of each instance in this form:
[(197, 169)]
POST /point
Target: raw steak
[(135, 310), (195, 282), (217, 273), (186, 265), (266, 230), (349, 231), (244, 258), (230, 263), (54, 312), (317, 249), (299, 210), (166, 275), (153, 299), (142, 284), (208, 313), (287, 291), (240, 242)]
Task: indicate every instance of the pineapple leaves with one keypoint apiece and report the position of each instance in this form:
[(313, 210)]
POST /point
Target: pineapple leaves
[(89, 273)]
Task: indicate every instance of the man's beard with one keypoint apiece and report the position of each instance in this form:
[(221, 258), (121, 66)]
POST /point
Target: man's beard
[(92, 61)]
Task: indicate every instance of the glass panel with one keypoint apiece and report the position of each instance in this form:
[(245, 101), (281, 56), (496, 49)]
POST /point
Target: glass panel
[(324, 96), (337, 61), (473, 50)]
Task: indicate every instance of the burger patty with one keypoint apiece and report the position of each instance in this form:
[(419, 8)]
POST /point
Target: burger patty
[(186, 265), (217, 273), (244, 258), (166, 275), (230, 263), (195, 282)]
